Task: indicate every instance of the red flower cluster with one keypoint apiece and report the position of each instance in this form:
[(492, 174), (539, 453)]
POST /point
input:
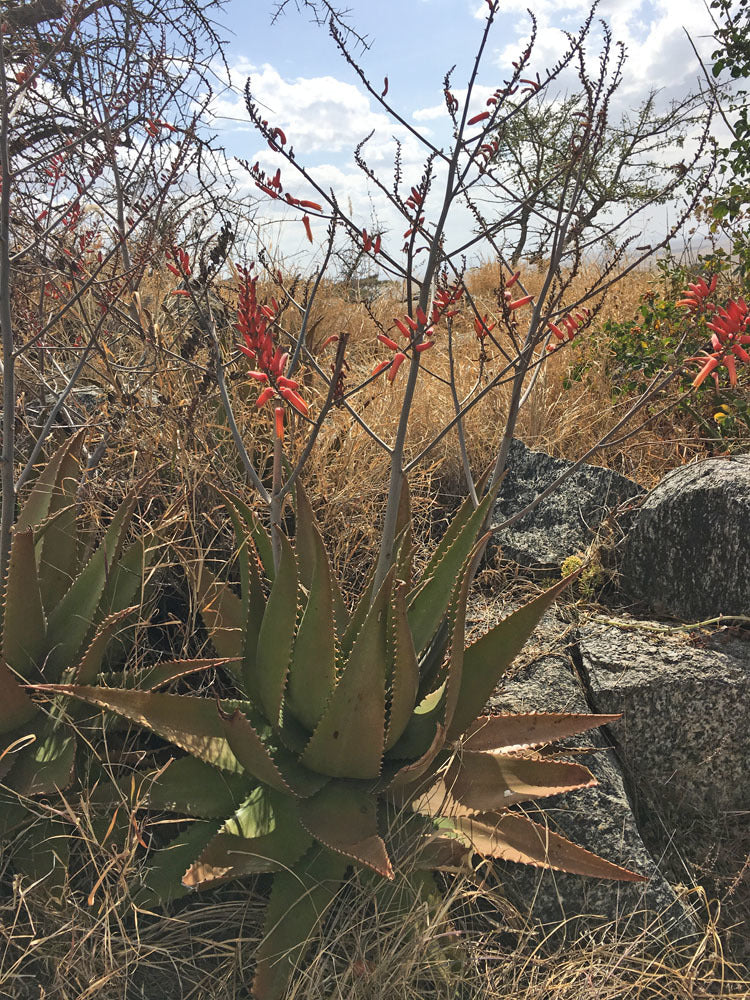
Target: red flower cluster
[(256, 324), (730, 331), (571, 323), (696, 294), (418, 326)]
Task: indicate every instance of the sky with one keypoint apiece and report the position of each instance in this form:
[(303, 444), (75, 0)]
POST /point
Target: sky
[(305, 87)]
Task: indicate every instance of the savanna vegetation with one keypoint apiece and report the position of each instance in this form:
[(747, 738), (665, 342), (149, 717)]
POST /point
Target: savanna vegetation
[(245, 507)]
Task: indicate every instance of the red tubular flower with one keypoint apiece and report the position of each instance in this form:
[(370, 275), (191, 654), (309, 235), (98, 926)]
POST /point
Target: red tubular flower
[(388, 342), (421, 316), (294, 399), (366, 241), (376, 245), (520, 302), (279, 417), (306, 224), (385, 87), (482, 116), (395, 365), (512, 280), (556, 330), (424, 346), (381, 366), (312, 205), (264, 397), (402, 327)]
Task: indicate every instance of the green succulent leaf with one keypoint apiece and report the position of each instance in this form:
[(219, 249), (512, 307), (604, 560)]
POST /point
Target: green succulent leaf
[(172, 670), (125, 582), (268, 763), (258, 534), (403, 679), (343, 816), (194, 788), (91, 662), (277, 636), (52, 485), (349, 741), (16, 708), (253, 598), (72, 619), (312, 674), (24, 624), (47, 763), (264, 835), (489, 657), (221, 611), (163, 881), (298, 902), (193, 724), (512, 837), (428, 605), (487, 782), (528, 730)]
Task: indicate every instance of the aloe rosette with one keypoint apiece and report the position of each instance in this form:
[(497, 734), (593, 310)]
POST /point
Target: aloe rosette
[(348, 719), (65, 599)]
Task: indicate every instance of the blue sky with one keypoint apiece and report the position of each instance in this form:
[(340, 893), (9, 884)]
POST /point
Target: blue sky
[(309, 90)]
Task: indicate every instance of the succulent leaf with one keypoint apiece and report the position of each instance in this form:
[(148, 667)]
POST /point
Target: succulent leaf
[(277, 636), (197, 789), (221, 611), (43, 854), (489, 657), (24, 625), (487, 782), (48, 762), (273, 766), (171, 670), (264, 835), (528, 730), (312, 674), (403, 680), (257, 533), (91, 662), (349, 740), (298, 902), (72, 619), (16, 708), (193, 724), (428, 605), (51, 484), (163, 881), (343, 816), (253, 598), (512, 837)]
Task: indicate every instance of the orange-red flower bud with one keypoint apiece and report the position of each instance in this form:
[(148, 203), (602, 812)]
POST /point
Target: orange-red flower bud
[(264, 396), (520, 302), (279, 415), (388, 342), (482, 116), (306, 224), (395, 365)]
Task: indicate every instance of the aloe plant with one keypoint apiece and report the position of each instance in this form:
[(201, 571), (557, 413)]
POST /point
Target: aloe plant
[(348, 718), (64, 602)]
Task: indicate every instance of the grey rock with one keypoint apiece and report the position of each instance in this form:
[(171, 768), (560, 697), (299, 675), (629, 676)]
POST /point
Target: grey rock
[(685, 734), (599, 819), (568, 520), (688, 552)]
